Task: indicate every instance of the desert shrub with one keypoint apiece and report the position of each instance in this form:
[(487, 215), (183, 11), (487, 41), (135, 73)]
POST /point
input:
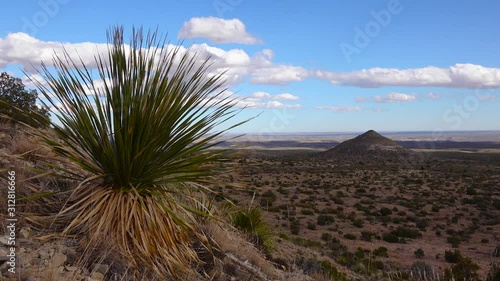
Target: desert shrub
[(306, 242), (471, 191), (295, 227), (464, 269), (307, 212), (454, 241), (422, 224), (267, 198), (381, 252), (390, 237), (452, 257), (250, 220), (311, 226), (385, 211), (325, 236), (358, 223), (332, 272), (494, 273), (367, 235), (419, 253), (325, 219), (350, 236), (406, 232)]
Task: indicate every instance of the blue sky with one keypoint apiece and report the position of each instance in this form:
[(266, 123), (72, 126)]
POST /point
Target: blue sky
[(306, 66)]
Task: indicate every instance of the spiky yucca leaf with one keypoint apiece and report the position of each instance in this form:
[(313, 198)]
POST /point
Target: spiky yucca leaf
[(141, 138)]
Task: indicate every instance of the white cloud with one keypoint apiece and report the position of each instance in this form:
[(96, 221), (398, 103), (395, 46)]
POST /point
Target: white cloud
[(262, 100), (395, 97), (433, 96), (217, 30), (285, 96), (261, 95), (340, 108), (277, 104), (279, 75), (22, 49), (468, 76)]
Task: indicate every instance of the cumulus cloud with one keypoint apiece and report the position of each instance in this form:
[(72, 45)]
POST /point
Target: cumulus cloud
[(263, 100), (25, 50), (279, 75), (276, 104), (468, 76), (285, 96), (217, 30), (340, 108), (395, 97)]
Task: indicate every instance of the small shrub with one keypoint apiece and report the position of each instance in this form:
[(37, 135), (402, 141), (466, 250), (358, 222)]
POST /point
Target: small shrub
[(381, 252), (390, 237), (367, 235), (350, 236), (385, 211), (325, 236), (464, 269), (325, 219), (251, 221), (419, 253), (452, 257)]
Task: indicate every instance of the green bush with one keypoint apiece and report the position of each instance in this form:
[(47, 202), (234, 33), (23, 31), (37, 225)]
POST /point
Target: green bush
[(325, 219), (267, 199), (406, 232), (452, 257), (19, 104), (367, 235), (454, 241), (250, 220), (390, 237), (350, 236), (295, 227), (464, 269), (385, 211), (325, 236), (419, 253), (381, 252)]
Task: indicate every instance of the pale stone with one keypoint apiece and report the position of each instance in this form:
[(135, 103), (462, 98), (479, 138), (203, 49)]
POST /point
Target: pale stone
[(58, 259)]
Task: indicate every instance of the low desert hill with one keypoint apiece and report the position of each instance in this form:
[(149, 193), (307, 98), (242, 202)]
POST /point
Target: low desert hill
[(370, 146)]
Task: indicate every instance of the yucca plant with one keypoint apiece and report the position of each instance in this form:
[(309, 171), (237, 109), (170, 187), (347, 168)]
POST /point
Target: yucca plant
[(141, 139), (250, 220)]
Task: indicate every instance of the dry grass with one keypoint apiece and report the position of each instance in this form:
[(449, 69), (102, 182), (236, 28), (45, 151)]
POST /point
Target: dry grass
[(150, 237), (231, 242)]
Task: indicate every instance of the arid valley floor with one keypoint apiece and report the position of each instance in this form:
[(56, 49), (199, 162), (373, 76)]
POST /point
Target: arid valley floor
[(368, 213)]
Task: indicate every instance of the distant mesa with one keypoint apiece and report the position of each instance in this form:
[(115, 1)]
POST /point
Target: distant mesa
[(370, 146)]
